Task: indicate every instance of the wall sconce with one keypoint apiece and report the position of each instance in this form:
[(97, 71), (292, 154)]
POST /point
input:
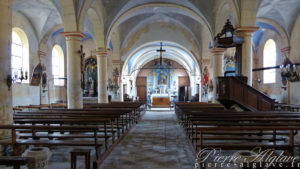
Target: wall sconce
[(12, 79), (258, 80), (9, 82)]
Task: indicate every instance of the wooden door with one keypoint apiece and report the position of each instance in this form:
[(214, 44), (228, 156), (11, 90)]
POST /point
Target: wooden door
[(182, 93), (124, 88), (142, 93), (141, 85), (183, 84)]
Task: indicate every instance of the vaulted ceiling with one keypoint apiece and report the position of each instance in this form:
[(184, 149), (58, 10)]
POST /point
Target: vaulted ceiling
[(136, 19), (284, 12)]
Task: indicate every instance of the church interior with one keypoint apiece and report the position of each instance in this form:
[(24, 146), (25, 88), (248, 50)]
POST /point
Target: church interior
[(131, 84)]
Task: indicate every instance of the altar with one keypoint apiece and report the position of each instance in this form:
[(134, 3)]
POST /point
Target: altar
[(161, 99)]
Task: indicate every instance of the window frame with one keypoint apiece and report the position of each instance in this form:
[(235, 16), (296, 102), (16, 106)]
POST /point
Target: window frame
[(269, 45), (23, 44), (60, 65)]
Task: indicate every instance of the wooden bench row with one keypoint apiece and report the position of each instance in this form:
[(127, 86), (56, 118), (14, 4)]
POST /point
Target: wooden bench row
[(73, 127), (229, 129)]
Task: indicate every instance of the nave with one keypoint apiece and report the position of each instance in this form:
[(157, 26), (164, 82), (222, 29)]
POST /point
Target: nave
[(158, 141), (77, 76)]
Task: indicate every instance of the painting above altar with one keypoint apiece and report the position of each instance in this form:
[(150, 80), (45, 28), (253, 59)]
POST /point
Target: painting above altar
[(90, 78), (162, 76)]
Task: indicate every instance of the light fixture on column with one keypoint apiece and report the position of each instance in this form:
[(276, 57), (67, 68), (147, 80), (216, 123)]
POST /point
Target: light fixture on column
[(14, 78)]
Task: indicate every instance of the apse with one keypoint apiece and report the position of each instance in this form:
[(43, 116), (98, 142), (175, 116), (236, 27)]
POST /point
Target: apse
[(160, 70)]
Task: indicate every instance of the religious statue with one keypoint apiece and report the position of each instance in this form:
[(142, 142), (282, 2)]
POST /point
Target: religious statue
[(116, 75), (205, 82), (92, 87), (90, 77)]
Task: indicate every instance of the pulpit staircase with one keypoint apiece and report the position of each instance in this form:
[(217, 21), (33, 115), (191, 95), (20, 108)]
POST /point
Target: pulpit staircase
[(235, 90)]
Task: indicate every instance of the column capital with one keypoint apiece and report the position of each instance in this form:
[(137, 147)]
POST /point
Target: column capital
[(73, 34), (41, 53), (102, 52), (286, 50), (217, 51), (247, 30)]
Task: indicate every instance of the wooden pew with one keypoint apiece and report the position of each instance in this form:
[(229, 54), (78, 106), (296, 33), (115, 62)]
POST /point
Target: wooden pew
[(16, 162), (122, 116), (33, 107), (47, 120), (73, 116), (83, 118), (52, 117), (15, 142), (227, 145), (193, 119), (227, 118), (136, 106), (192, 106)]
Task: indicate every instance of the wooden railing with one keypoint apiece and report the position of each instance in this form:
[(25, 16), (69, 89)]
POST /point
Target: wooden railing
[(235, 90)]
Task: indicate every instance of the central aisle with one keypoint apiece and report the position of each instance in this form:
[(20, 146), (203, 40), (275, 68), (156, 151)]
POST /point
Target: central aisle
[(157, 142)]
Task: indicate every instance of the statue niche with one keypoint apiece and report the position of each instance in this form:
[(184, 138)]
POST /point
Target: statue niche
[(90, 78)]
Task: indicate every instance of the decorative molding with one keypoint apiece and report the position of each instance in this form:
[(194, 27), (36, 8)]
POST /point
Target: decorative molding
[(41, 53), (102, 52), (219, 51), (73, 34), (248, 29), (286, 49)]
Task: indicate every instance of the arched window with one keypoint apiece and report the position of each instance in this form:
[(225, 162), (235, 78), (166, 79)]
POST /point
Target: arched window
[(269, 60), (58, 68), (19, 54)]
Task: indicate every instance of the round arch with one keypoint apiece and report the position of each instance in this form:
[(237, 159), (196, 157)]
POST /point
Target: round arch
[(147, 52), (283, 34), (22, 35)]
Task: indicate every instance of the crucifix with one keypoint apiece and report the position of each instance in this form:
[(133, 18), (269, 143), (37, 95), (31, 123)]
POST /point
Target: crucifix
[(81, 55), (160, 51)]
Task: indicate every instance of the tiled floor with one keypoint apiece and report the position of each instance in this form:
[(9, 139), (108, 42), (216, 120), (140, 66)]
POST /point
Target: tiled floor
[(157, 142)]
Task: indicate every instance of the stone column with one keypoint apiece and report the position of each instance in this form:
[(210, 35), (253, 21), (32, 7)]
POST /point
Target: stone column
[(218, 66), (73, 41), (247, 51), (5, 61), (102, 75)]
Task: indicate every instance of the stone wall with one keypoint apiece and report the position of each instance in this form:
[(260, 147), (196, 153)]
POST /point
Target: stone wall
[(295, 57), (274, 90), (22, 91)]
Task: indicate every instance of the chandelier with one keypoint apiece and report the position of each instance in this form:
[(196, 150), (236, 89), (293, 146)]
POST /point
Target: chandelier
[(289, 72)]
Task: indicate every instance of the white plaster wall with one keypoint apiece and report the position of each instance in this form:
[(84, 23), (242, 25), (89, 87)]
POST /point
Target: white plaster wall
[(274, 90), (295, 57), (54, 93), (23, 94)]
